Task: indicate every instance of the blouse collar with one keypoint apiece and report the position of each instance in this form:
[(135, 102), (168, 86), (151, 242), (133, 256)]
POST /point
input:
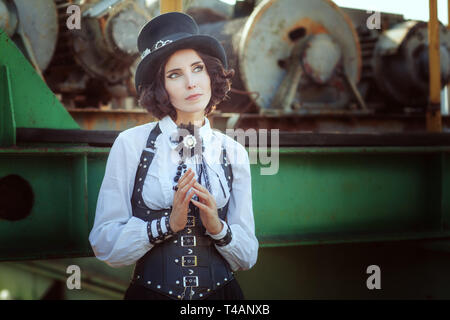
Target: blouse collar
[(168, 127)]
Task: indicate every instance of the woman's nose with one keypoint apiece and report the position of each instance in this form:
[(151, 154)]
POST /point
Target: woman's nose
[(190, 83)]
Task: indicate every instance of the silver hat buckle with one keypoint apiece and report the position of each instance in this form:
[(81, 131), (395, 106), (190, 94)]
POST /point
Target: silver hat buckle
[(157, 45), (161, 44)]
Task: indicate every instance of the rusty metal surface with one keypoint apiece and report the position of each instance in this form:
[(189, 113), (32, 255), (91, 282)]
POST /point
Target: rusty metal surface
[(95, 119), (329, 122)]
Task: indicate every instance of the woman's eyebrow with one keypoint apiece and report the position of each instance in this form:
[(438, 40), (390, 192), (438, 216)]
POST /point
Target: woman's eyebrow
[(180, 69)]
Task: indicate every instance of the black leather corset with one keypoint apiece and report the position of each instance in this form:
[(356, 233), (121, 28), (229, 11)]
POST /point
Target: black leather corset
[(186, 265)]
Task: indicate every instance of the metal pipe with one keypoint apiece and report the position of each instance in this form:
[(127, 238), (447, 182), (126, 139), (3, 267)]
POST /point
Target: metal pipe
[(433, 115), (448, 14), (170, 5)]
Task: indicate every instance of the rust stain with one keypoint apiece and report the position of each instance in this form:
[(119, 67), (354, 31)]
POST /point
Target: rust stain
[(310, 26), (102, 22), (94, 119)]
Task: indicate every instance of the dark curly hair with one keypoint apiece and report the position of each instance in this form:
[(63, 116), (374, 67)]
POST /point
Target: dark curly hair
[(155, 99)]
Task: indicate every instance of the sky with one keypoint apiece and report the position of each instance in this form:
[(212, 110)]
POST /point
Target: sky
[(411, 9)]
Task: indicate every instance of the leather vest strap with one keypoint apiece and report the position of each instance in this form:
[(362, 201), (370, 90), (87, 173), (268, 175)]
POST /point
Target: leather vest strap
[(152, 137), (226, 166)]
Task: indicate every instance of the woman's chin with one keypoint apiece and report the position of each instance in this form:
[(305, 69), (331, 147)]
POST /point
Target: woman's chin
[(194, 108)]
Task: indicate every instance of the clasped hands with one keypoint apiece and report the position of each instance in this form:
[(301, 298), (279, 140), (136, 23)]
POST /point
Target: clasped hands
[(187, 187)]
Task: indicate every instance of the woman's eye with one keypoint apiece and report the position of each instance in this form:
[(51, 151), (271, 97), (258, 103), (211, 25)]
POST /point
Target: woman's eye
[(176, 75)]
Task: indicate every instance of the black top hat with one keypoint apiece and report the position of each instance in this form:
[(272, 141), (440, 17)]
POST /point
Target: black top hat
[(165, 34)]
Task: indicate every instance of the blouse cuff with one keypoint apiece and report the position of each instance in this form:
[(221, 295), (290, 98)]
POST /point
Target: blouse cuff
[(221, 234), (224, 237)]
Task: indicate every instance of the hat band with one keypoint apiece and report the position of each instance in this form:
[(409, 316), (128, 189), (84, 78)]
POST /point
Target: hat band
[(161, 43)]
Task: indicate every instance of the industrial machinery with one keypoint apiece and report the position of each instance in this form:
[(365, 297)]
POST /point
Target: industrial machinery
[(86, 64), (358, 181), (328, 59), (315, 48), (324, 56), (401, 62)]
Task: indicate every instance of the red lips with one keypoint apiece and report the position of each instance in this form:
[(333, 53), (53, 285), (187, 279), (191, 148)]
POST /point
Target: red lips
[(193, 96)]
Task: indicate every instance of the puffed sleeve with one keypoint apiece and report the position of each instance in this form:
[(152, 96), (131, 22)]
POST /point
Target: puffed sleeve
[(242, 252), (117, 237)]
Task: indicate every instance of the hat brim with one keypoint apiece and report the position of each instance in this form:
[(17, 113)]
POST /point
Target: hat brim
[(147, 68)]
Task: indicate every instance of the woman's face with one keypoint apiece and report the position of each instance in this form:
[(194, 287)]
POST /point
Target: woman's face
[(187, 82)]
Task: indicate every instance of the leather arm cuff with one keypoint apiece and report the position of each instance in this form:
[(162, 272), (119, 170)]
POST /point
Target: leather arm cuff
[(225, 240), (161, 236)]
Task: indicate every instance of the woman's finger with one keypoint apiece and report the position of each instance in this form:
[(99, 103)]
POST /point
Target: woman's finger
[(185, 178), (206, 194), (185, 189), (200, 205), (188, 172), (188, 197), (203, 196), (200, 187), (188, 179)]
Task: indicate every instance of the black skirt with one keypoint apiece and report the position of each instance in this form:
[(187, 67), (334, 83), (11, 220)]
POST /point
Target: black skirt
[(230, 291)]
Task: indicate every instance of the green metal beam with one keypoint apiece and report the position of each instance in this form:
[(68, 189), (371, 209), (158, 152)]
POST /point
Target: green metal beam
[(318, 196), (326, 196), (65, 198), (7, 121), (26, 101)]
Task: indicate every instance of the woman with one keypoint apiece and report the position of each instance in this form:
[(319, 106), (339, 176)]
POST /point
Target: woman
[(176, 196)]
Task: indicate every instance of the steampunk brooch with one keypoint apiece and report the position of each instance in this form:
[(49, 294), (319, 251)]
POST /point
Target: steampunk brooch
[(189, 141)]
